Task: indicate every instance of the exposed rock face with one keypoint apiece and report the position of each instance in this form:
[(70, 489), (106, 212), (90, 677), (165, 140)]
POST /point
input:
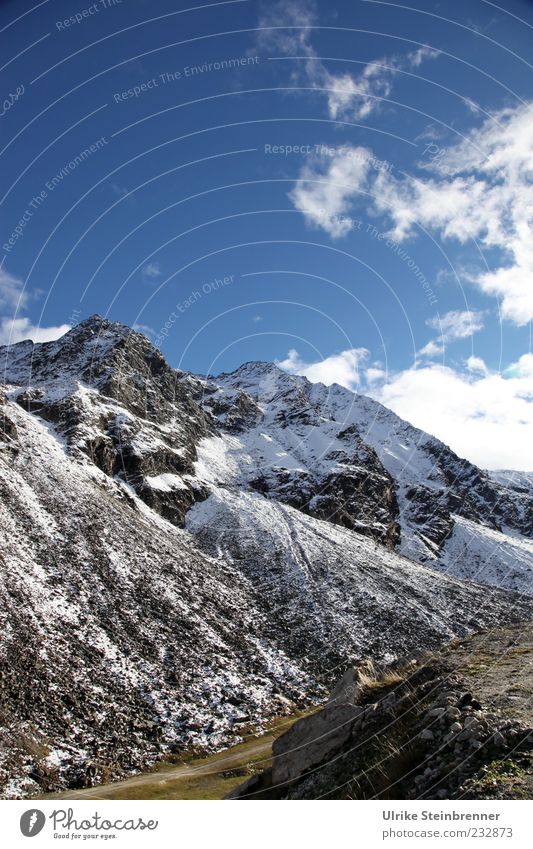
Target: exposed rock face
[(333, 455), (155, 594), (311, 741), (113, 397)]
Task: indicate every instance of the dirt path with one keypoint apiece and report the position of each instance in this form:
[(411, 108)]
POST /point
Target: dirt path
[(202, 778), (500, 666), (212, 766)]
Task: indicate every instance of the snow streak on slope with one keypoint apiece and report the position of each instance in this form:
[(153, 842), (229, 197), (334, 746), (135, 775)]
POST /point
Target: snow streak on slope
[(123, 638), (314, 573), (480, 554)]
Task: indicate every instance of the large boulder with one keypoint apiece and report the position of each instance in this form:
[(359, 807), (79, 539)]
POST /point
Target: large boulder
[(311, 741), (347, 689)]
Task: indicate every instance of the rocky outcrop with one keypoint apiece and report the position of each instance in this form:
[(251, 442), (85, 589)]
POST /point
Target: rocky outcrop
[(114, 399), (311, 741), (411, 732), (335, 456)]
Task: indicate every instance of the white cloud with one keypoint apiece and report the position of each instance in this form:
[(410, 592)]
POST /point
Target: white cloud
[(357, 96), (434, 348), (375, 373), (455, 324), (485, 417), (476, 364), (13, 298), (349, 96), (324, 194), (416, 57), (273, 35), (12, 295), (17, 329), (482, 190), (151, 271), (145, 329), (343, 368), (486, 193)]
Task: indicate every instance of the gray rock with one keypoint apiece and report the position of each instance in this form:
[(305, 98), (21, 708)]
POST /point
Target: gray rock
[(253, 785), (427, 734), (468, 734), (311, 741), (453, 713), (347, 689)]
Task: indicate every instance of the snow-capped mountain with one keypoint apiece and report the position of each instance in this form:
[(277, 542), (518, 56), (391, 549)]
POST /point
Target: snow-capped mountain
[(347, 459), (185, 556)]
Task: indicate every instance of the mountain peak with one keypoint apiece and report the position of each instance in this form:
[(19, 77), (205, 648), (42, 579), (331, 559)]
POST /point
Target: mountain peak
[(91, 349), (252, 368), (97, 324)]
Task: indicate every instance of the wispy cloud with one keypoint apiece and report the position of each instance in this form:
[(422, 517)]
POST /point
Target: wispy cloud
[(286, 30), (357, 96), (12, 294), (146, 330), (326, 187), (151, 271), (482, 189), (456, 324)]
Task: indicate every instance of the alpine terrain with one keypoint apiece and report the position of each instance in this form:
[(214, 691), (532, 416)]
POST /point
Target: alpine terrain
[(184, 557)]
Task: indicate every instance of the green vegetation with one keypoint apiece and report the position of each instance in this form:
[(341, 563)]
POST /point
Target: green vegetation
[(508, 778)]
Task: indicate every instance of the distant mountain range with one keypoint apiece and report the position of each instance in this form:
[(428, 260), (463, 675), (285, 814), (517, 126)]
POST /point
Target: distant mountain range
[(184, 556)]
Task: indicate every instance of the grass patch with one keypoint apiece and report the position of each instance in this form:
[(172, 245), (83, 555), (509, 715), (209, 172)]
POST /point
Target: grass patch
[(387, 763), (376, 683), (519, 651), (505, 778)]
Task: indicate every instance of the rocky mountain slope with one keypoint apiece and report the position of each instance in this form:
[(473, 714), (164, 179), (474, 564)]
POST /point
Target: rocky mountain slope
[(182, 558)]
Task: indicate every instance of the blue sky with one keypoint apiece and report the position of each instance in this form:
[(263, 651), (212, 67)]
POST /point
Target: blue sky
[(342, 187)]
